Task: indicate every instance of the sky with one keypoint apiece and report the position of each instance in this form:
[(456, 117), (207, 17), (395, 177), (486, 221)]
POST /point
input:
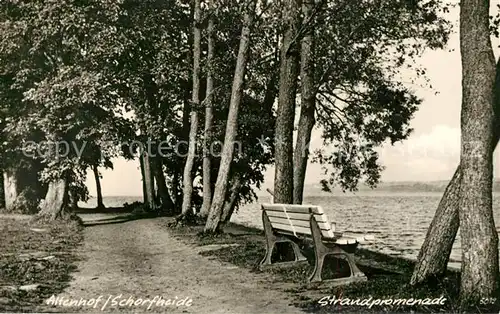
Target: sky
[(431, 153)]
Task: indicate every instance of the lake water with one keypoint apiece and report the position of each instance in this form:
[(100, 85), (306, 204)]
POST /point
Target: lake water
[(399, 221)]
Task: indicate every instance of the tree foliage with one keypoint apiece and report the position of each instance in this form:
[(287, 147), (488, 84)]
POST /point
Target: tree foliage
[(364, 51), (97, 74)]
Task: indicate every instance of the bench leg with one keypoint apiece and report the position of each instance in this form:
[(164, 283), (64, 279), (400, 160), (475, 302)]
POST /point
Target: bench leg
[(272, 240), (299, 257), (355, 271), (266, 261), (269, 252), (318, 267), (322, 251)]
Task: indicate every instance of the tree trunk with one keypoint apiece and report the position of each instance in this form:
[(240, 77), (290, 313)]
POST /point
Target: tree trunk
[(289, 67), (11, 188), (479, 276), (188, 168), (143, 175), (73, 199), (55, 204), (22, 190), (148, 181), (176, 192), (164, 195), (435, 253), (308, 106), (100, 203), (214, 217), (207, 159), (230, 204), (2, 192)]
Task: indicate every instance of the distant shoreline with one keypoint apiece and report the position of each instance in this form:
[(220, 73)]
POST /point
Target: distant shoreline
[(393, 187), (386, 188)]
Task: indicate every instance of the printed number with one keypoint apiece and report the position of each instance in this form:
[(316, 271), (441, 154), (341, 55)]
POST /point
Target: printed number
[(488, 301)]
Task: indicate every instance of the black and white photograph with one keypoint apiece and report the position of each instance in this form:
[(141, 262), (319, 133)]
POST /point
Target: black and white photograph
[(249, 156)]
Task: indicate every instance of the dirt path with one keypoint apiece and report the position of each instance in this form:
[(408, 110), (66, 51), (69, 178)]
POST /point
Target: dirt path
[(139, 260)]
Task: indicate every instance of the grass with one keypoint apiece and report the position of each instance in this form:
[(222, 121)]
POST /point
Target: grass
[(388, 277), (35, 253)]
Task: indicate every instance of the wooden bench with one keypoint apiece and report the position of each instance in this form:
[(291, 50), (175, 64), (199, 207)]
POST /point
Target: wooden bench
[(285, 223)]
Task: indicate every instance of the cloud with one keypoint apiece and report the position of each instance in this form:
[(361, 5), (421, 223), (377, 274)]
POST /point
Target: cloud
[(429, 156)]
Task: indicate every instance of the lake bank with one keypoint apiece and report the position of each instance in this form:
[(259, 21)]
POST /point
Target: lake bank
[(240, 250), (398, 220), (388, 276), (122, 252)]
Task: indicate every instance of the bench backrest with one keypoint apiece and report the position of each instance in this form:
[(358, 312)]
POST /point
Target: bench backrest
[(295, 219)]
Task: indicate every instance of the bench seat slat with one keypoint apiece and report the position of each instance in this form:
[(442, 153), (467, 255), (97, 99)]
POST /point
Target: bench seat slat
[(287, 227), (328, 234), (346, 240), (322, 218), (293, 208), (298, 223), (295, 216)]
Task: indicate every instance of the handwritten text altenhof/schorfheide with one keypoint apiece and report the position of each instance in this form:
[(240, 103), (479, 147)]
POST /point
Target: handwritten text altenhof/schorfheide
[(119, 301)]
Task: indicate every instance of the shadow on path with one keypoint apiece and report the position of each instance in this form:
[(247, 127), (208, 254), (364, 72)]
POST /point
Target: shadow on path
[(109, 219)]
